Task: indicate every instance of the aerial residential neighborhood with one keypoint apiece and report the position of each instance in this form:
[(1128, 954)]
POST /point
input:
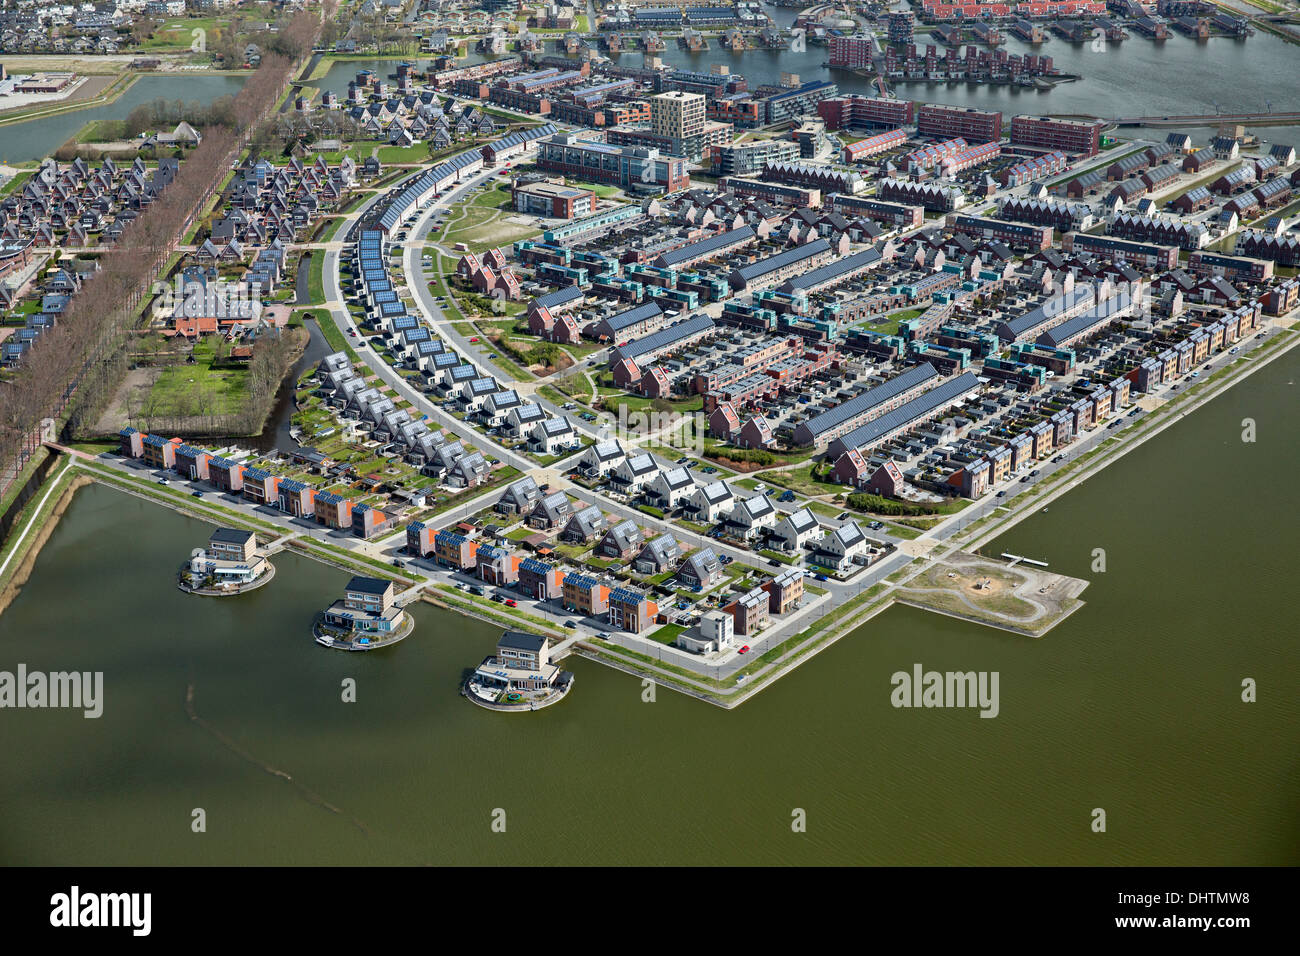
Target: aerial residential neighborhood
[(737, 355)]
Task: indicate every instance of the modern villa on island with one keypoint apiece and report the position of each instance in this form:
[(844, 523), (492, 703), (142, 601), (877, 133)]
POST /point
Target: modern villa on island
[(365, 617), (519, 676), (229, 565)]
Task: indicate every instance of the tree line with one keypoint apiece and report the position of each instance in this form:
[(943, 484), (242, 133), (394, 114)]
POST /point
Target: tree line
[(76, 367)]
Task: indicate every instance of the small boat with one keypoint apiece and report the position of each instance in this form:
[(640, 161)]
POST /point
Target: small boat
[(327, 641), (1044, 511)]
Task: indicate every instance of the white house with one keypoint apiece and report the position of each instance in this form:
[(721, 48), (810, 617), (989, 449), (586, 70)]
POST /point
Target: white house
[(710, 502), (631, 474), (751, 516), (795, 530), (839, 548), (670, 488), (597, 460)]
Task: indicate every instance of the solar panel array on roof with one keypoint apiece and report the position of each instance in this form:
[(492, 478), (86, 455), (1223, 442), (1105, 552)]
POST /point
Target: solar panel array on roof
[(633, 316), (1052, 307), (704, 247), (865, 401), (664, 338), (559, 297), (1099, 314), (762, 267), (833, 270), (909, 412)]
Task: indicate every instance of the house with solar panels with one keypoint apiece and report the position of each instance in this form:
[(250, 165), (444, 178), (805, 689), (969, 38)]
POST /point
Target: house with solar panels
[(709, 503), (551, 512), (843, 547), (630, 610), (585, 594), (192, 462), (497, 565), (261, 487), (365, 617), (658, 555), (540, 580), (600, 458), (451, 549), (585, 526), (229, 564), (701, 570), (226, 475), (795, 531), (552, 436), (670, 488), (751, 517), (750, 612)]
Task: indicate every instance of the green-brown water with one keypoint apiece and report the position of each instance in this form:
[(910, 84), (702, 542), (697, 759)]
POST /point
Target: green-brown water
[(1132, 705)]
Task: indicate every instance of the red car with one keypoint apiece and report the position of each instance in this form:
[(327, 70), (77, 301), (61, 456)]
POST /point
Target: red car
[(511, 602), (474, 339), (745, 649)]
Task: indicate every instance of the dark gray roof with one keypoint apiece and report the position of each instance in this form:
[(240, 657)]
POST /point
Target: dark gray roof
[(521, 641), (867, 400), (762, 267), (908, 412), (703, 247)]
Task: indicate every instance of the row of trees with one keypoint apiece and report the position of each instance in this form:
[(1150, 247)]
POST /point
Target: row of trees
[(199, 409), (79, 364)]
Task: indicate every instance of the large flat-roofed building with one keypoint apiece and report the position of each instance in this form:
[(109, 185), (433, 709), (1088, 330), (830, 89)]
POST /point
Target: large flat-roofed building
[(748, 159), (799, 101), (553, 200), (1145, 254), (852, 52), (1047, 132), (677, 115), (843, 112), (878, 210), (1232, 267), (865, 406), (801, 197), (625, 166), (1017, 235), (971, 124)]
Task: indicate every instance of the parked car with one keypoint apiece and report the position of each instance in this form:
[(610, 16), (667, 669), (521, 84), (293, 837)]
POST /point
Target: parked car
[(196, 494), (571, 625), (745, 649), (843, 516)]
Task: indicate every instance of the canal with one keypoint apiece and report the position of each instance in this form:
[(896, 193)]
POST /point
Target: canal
[(1131, 705), (37, 138)]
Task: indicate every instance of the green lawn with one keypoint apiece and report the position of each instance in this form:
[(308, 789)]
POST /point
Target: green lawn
[(200, 387), (667, 634)]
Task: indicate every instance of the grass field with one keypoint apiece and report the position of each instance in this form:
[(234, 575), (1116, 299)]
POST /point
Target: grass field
[(217, 391), (178, 34)]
